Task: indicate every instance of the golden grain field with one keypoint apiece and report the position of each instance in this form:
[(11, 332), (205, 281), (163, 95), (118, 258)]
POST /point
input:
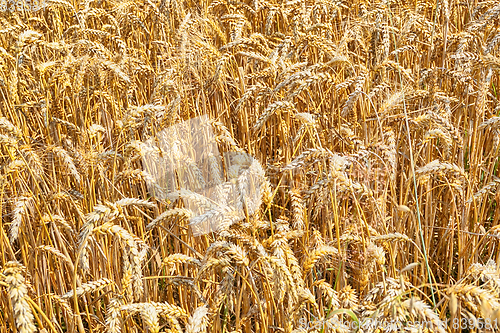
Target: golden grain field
[(375, 134)]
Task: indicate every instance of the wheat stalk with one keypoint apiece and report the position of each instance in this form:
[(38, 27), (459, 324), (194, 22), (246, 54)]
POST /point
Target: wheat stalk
[(18, 293)]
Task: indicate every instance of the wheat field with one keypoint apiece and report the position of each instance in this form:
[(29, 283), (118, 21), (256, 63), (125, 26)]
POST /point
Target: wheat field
[(374, 138)]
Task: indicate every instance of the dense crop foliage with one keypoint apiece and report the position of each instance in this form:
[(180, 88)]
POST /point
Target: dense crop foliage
[(375, 123)]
